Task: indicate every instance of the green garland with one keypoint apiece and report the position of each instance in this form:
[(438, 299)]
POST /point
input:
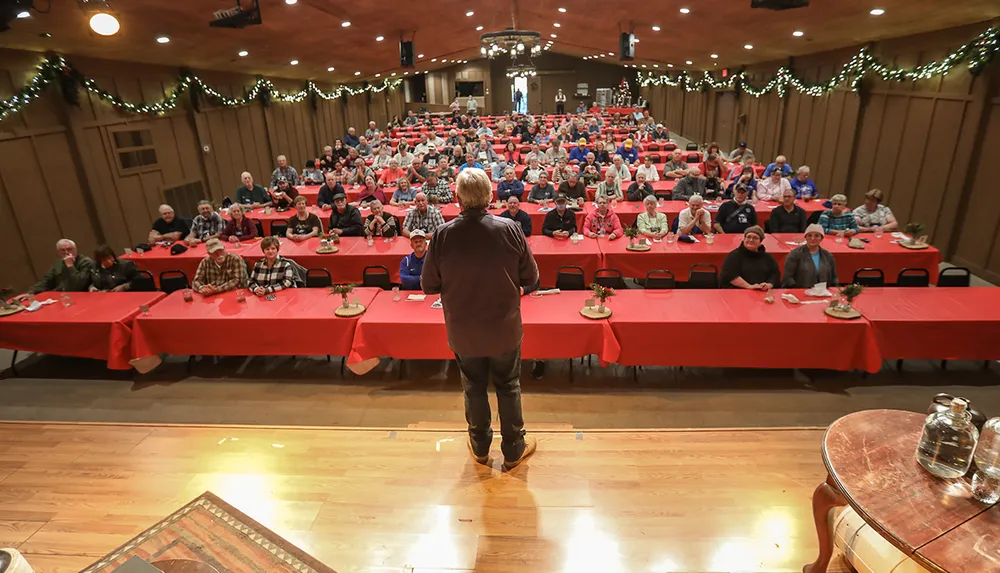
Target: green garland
[(977, 52), (54, 68)]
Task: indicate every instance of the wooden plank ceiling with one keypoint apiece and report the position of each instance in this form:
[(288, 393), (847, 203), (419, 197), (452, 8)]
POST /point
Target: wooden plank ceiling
[(311, 31)]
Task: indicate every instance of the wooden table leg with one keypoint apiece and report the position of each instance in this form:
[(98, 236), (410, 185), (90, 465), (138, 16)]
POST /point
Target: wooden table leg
[(825, 498)]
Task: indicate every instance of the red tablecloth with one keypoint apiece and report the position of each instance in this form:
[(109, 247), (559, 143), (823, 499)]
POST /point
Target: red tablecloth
[(348, 264), (551, 253), (311, 192), (451, 210), (553, 328), (736, 328), (878, 253), (159, 259), (96, 325), (942, 323), (298, 322)]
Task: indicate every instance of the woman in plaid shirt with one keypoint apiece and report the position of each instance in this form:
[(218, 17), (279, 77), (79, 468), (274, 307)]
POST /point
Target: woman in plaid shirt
[(273, 272)]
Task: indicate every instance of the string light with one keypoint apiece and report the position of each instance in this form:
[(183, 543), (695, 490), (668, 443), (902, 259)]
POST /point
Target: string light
[(52, 68), (976, 53)]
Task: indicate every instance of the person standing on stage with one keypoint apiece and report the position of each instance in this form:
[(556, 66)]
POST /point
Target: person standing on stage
[(480, 265)]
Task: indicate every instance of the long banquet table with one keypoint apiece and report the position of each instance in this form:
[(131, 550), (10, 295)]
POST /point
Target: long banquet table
[(883, 253)]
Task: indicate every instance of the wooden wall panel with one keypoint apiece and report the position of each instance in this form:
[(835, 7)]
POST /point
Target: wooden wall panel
[(978, 244), (16, 258), (62, 186)]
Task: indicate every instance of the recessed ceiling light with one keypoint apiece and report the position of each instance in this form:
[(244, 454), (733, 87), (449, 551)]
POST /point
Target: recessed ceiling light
[(685, 10), (656, 65), (479, 28), (345, 24), (357, 73), (434, 59), (563, 10), (444, 61), (714, 56), (644, 65), (45, 35), (637, 40), (747, 46), (798, 33), (162, 40), (553, 35), (379, 38), (689, 62), (611, 53), (330, 69), (291, 2), (877, 12), (670, 65), (604, 55), (556, 24), (425, 72), (585, 57), (393, 74), (294, 62), (469, 13), (105, 24), (408, 73), (378, 75), (24, 14), (420, 55), (656, 28), (243, 53)]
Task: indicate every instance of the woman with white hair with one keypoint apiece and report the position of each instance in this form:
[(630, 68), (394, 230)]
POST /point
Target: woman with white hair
[(810, 263), (804, 187), (610, 188), (651, 222), (873, 215)]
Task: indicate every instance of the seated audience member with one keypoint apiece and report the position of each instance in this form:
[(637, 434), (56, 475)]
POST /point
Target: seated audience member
[(328, 190), (574, 189), (610, 187), (536, 153), (484, 131), (371, 192), (340, 150), (403, 155), (284, 170), (638, 190), (803, 186), (579, 153), (312, 175), (71, 273), (514, 212), (206, 225), (168, 228), (418, 171), (341, 173), (602, 222), (445, 171), (404, 194), (485, 155), (676, 167), (620, 170), (283, 195), (690, 185), (788, 217), (601, 154), (772, 187), (561, 172), (660, 133), (239, 227), (555, 153), (411, 119), (345, 220), (560, 222), (738, 153), (273, 272), (651, 223), (303, 224), (351, 138), (437, 190), (437, 141), (509, 186), (110, 274), (746, 176), (470, 162), (649, 171), (425, 217), (327, 159), (781, 164), (251, 194), (714, 169), (695, 218), (219, 271), (391, 174), (532, 171), (809, 264), (352, 157), (581, 109), (737, 214), (748, 266), (591, 175), (542, 191), (360, 172), (839, 220), (412, 265), (372, 130), (432, 157), (379, 223), (383, 155), (590, 161), (628, 152), (873, 215)]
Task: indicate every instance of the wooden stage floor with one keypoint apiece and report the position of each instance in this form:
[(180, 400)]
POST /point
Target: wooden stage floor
[(413, 501)]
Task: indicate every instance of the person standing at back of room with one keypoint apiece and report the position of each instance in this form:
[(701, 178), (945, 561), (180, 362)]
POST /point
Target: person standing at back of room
[(480, 265)]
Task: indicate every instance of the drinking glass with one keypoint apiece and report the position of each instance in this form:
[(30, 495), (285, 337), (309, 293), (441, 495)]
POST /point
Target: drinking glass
[(66, 299), (241, 296), (709, 239), (986, 481), (188, 295), (670, 237), (395, 294), (128, 252), (878, 232)]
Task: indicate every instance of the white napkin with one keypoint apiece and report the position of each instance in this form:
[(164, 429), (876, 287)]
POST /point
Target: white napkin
[(819, 289), (416, 297), (541, 292), (35, 304), (795, 300), (898, 235)]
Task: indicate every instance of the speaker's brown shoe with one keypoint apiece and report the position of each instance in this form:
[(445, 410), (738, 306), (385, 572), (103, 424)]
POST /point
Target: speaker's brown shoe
[(530, 445), (484, 460)]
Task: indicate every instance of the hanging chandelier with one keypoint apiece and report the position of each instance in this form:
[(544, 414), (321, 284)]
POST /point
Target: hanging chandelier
[(521, 71), (513, 42)]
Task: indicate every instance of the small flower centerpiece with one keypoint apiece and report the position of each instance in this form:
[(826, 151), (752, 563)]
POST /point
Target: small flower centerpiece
[(343, 290), (8, 306), (327, 242), (602, 294), (842, 307), (914, 237), (346, 308), (632, 233)]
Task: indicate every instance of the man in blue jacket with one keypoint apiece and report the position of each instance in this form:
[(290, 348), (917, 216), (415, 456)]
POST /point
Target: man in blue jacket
[(628, 152), (412, 266), (579, 153)]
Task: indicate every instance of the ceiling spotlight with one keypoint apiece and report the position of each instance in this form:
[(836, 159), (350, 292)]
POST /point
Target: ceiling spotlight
[(563, 10), (330, 69), (611, 53), (434, 59), (747, 46), (685, 10), (162, 40), (393, 74), (291, 2), (553, 35), (45, 35), (408, 73), (656, 65), (644, 65), (24, 14), (689, 62), (877, 12), (556, 24), (345, 24), (420, 55), (243, 53), (798, 33), (357, 73), (379, 38), (714, 56), (104, 24), (604, 55), (378, 75), (670, 65), (479, 28), (469, 13), (294, 62), (656, 28)]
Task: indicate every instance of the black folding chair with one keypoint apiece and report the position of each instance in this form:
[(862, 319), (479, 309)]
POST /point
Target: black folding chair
[(143, 282), (609, 278), (703, 276), (869, 277), (814, 218), (260, 227), (278, 228), (570, 277), (171, 281), (913, 277), (691, 147), (376, 276), (693, 159), (660, 279), (318, 278), (954, 277)]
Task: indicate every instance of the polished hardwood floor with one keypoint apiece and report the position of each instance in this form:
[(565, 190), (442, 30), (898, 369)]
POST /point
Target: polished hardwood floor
[(413, 501)]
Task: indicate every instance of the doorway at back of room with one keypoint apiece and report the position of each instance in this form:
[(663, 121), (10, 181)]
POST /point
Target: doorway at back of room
[(519, 95)]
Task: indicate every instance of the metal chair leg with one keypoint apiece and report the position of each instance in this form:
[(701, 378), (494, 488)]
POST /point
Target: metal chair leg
[(944, 365), (13, 363), (899, 365), (343, 362)]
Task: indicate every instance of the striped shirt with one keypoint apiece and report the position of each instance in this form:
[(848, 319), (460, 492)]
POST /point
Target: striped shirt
[(832, 223), (441, 190), (427, 222), (232, 273), (272, 278), (203, 228)]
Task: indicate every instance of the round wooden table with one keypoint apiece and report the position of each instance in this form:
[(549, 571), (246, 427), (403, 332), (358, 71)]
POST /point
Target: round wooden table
[(871, 465)]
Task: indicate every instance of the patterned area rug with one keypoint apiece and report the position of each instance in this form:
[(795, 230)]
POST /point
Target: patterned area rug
[(211, 531)]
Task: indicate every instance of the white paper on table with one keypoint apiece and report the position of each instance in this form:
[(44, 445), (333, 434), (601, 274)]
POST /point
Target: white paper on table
[(818, 289), (795, 243), (657, 240), (545, 209), (898, 235), (437, 303), (541, 292), (416, 297)]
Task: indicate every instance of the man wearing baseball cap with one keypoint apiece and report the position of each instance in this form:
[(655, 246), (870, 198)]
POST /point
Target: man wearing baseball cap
[(412, 265), (628, 152), (579, 153), (739, 152), (219, 271)]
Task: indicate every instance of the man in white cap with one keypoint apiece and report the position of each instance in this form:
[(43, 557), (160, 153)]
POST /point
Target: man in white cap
[(412, 265), (219, 271)]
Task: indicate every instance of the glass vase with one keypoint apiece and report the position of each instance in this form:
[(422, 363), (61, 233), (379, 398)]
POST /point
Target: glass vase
[(948, 441), (986, 481)]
